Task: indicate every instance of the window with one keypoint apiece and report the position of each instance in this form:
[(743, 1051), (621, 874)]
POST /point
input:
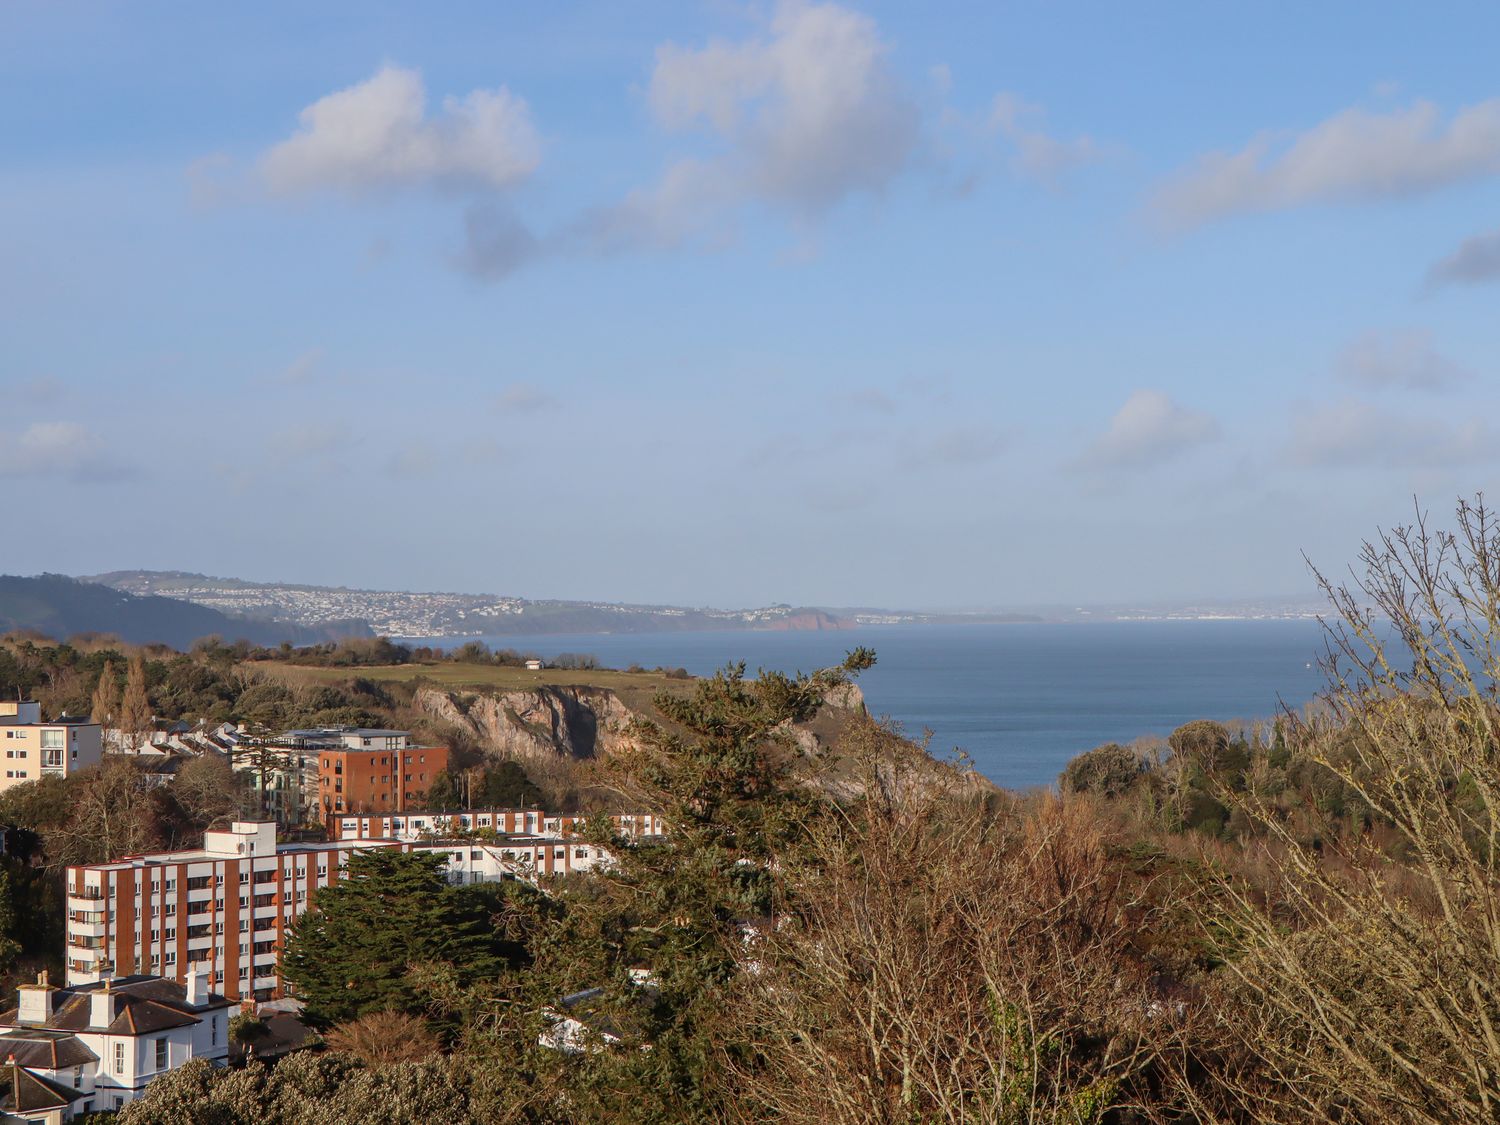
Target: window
[(161, 1052), (244, 972), (170, 957), (213, 1032), (53, 740), (171, 933), (78, 1078), (119, 1058)]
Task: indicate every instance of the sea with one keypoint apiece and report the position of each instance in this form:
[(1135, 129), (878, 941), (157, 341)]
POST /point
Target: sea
[(1019, 700)]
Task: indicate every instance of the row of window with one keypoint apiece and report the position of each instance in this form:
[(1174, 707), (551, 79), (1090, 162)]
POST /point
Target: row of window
[(51, 739)]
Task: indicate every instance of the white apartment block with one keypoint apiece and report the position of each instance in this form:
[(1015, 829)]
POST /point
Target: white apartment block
[(416, 826), (34, 749), (94, 1047)]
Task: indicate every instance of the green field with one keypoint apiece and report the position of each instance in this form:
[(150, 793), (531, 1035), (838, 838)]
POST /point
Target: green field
[(634, 688)]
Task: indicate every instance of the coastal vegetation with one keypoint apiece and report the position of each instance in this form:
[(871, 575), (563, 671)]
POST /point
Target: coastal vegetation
[(1291, 921)]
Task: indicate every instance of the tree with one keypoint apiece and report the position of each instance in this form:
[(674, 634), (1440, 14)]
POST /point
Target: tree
[(1107, 770), (383, 1039), (950, 961), (1202, 743), (1364, 964), (106, 700), (442, 793), (506, 786), (135, 708), (207, 789), (351, 953), (725, 773)]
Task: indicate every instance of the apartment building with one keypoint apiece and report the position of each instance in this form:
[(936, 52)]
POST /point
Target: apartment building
[(226, 906), (94, 1047), (375, 780), (417, 826), (35, 748)]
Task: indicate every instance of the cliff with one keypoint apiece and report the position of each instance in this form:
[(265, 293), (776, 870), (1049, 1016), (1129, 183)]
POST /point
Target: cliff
[(548, 722)]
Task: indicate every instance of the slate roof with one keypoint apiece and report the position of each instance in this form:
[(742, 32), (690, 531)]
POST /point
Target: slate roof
[(46, 1050), (24, 1092), (140, 1005)]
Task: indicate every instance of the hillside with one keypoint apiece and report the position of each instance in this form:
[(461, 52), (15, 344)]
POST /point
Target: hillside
[(401, 613), (61, 607)]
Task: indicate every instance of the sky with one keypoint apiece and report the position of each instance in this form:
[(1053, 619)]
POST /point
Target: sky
[(928, 306)]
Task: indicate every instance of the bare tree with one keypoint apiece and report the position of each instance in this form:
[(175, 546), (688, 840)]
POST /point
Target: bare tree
[(951, 961), (106, 700), (1364, 969), (135, 709)]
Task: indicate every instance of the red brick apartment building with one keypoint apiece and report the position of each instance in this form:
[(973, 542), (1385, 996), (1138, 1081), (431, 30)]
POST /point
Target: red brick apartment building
[(376, 780)]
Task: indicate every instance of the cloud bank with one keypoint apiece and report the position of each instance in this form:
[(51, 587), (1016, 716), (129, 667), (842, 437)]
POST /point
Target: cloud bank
[(1355, 155)]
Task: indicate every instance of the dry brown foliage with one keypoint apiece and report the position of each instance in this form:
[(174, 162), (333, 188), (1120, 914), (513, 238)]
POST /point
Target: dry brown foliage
[(954, 959), (1364, 970), (383, 1039)]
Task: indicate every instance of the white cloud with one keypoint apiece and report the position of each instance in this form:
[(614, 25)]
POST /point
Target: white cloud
[(1352, 433), (378, 135), (804, 118), (1038, 155), (58, 449), (1354, 155), (1403, 359), (1148, 429), (1477, 259)]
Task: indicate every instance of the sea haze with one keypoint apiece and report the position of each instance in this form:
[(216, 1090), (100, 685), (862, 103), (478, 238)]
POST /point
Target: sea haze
[(1020, 700)]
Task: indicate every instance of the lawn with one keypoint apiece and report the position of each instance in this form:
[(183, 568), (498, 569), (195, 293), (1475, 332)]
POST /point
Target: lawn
[(632, 687)]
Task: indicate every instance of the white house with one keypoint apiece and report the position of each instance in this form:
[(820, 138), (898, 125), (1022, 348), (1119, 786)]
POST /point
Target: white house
[(104, 1041)]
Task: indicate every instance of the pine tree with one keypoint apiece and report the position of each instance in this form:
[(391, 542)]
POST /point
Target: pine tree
[(135, 710), (106, 703), (350, 954)]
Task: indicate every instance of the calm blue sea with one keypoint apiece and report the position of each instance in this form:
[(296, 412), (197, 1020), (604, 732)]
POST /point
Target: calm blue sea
[(1020, 700)]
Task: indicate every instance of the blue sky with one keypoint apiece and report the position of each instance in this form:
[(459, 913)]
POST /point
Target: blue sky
[(721, 303)]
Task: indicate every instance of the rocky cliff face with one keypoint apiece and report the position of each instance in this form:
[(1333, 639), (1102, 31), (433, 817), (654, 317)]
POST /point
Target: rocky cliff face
[(576, 722), (542, 722)]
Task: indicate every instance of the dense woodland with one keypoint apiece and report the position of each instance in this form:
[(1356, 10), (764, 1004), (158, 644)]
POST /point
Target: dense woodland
[(1296, 922)]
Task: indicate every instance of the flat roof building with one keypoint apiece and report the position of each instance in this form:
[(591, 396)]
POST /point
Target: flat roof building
[(35, 748), (226, 908)]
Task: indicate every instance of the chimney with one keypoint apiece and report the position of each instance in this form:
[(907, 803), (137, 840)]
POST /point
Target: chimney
[(102, 1006), (196, 986), (36, 1001)]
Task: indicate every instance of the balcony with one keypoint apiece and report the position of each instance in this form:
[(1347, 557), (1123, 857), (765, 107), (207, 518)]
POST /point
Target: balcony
[(87, 895)]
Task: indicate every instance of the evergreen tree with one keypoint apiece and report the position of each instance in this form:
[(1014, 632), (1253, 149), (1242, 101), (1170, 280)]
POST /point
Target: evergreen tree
[(506, 786), (351, 953), (442, 794)]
